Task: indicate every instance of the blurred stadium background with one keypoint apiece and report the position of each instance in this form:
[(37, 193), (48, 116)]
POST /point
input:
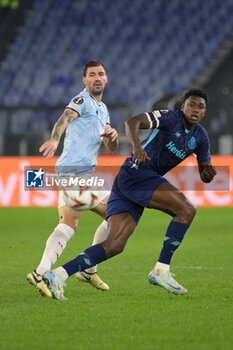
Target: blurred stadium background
[(153, 51)]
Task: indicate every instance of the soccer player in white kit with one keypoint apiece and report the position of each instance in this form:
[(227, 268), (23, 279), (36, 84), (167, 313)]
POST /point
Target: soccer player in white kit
[(87, 123)]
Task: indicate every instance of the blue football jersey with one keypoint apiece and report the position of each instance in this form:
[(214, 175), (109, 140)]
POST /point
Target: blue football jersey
[(170, 143), (82, 139)]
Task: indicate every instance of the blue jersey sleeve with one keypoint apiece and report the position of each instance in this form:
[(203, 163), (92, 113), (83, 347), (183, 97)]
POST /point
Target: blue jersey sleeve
[(78, 104), (203, 150), (165, 119)]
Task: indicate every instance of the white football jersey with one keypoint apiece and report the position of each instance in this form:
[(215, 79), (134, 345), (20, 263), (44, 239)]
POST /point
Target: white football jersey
[(82, 138)]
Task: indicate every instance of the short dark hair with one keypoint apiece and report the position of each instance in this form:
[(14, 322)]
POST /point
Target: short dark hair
[(93, 64), (196, 92)]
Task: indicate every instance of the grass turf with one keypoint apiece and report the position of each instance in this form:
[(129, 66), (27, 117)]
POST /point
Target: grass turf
[(133, 314)]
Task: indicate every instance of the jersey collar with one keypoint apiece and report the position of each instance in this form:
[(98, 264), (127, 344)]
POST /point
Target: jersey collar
[(99, 104)]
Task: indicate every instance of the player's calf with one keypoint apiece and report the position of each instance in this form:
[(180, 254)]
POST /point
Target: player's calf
[(185, 213), (113, 247)]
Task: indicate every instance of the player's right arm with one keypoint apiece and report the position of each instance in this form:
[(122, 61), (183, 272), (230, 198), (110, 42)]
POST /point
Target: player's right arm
[(132, 127), (50, 146), (149, 120)]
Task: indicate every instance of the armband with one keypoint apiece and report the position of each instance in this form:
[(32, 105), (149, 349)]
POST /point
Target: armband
[(153, 120)]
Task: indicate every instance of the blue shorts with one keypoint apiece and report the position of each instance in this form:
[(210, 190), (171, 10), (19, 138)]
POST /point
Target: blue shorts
[(132, 190)]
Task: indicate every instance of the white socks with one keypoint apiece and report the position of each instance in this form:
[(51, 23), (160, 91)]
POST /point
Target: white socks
[(55, 245), (61, 272), (161, 268), (100, 235)]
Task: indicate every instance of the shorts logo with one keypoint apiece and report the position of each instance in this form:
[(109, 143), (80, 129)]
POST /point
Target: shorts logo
[(78, 100), (34, 178), (192, 143)]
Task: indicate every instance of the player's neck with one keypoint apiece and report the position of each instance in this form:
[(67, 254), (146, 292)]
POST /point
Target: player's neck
[(187, 125), (98, 98)]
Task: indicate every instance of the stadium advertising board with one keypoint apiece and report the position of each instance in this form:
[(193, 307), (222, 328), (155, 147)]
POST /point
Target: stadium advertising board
[(21, 185)]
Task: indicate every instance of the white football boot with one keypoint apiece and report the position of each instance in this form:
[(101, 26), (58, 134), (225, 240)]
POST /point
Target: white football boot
[(55, 284), (93, 279), (166, 281)]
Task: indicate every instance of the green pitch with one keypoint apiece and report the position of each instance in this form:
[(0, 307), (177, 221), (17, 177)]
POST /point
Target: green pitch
[(133, 314)]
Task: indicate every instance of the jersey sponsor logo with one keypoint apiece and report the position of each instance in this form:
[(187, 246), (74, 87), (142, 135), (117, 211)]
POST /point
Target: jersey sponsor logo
[(78, 100), (192, 143), (178, 152)]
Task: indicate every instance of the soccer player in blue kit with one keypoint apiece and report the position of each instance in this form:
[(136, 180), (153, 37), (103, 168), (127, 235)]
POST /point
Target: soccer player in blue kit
[(87, 123), (140, 183)]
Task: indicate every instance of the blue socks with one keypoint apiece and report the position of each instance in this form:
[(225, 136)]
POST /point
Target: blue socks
[(96, 253), (90, 257), (174, 236)]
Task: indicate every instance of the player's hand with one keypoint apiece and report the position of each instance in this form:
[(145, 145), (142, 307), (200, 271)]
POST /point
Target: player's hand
[(140, 157), (208, 173), (110, 133), (49, 148)]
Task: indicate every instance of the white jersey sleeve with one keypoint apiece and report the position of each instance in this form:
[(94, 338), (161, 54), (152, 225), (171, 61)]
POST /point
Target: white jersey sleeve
[(77, 104)]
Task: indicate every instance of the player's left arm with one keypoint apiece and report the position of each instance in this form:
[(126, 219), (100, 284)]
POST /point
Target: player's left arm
[(110, 138), (207, 171)]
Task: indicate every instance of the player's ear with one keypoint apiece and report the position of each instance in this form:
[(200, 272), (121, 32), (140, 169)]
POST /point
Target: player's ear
[(182, 107), (84, 80)]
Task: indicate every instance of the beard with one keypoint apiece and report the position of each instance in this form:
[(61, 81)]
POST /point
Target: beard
[(96, 93)]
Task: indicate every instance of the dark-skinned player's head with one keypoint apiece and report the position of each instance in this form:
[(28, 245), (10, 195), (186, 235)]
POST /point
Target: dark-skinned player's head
[(196, 92), (194, 107)]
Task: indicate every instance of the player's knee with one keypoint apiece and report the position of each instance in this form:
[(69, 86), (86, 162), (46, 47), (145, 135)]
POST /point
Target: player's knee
[(192, 211), (188, 213)]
